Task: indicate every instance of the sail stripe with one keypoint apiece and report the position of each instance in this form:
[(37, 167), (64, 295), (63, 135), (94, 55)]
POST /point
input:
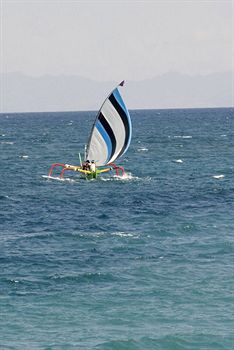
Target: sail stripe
[(120, 100), (98, 143), (110, 133), (116, 125), (125, 121), (106, 138)]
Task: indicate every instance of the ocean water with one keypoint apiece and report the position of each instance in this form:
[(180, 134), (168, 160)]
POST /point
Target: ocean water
[(143, 262)]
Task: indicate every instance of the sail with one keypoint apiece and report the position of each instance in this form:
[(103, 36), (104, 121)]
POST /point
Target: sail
[(112, 131)]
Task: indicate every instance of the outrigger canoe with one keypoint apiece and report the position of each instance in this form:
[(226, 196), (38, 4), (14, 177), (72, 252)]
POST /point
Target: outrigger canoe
[(109, 139)]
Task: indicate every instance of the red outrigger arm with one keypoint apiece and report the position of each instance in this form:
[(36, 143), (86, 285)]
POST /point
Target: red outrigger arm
[(117, 168), (64, 168), (74, 168), (57, 165)]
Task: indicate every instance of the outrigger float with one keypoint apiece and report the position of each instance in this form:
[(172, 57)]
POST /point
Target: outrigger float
[(109, 139)]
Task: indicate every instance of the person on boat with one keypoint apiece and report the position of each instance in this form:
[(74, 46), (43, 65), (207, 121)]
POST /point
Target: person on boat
[(86, 165), (93, 166)]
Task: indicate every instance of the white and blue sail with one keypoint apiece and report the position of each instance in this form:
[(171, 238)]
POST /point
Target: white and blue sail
[(112, 131)]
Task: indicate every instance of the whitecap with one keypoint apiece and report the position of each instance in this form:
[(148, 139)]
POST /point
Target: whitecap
[(122, 234), (183, 137), (218, 176), (58, 178), (7, 143), (142, 149), (24, 157), (126, 177), (90, 234), (178, 161)]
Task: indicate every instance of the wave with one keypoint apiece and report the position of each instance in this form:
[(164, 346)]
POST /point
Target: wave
[(3, 197), (182, 137), (125, 177), (179, 341), (142, 149), (122, 234), (47, 233), (57, 178), (218, 176), (87, 277), (178, 161)]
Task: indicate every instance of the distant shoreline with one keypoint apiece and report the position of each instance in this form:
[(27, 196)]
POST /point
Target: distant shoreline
[(22, 93), (95, 111)]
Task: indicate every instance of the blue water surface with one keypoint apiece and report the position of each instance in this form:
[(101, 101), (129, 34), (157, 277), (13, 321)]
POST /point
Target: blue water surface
[(143, 262)]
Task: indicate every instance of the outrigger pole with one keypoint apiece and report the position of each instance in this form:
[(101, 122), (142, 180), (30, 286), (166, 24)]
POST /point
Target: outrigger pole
[(85, 152), (80, 159), (66, 167)]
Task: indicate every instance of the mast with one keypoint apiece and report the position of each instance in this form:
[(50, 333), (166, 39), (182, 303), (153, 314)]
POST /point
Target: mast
[(85, 153)]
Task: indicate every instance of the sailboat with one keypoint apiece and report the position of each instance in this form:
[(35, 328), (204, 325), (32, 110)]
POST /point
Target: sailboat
[(109, 139)]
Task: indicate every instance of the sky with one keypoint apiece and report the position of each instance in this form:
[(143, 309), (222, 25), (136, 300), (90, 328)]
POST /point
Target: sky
[(106, 40)]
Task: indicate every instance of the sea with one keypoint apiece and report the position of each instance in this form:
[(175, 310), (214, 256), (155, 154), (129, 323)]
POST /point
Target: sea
[(140, 262)]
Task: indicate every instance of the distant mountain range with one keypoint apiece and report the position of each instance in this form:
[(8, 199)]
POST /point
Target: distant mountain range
[(21, 93)]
